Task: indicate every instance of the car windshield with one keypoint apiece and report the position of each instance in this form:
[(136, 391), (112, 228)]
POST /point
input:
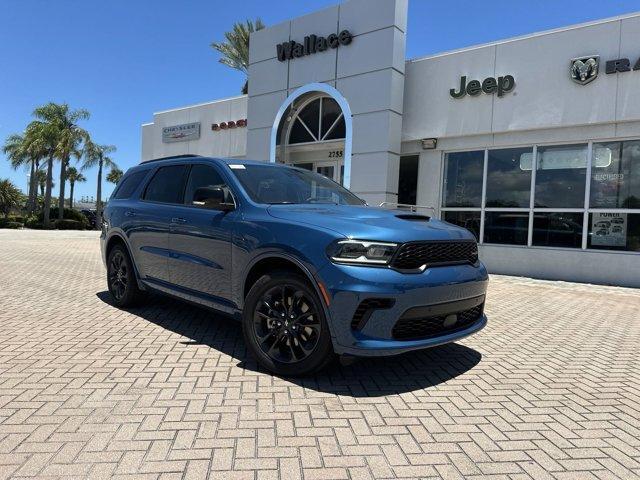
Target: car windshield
[(287, 185)]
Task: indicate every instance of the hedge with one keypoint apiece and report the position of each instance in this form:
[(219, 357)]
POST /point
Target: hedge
[(69, 225), (14, 225)]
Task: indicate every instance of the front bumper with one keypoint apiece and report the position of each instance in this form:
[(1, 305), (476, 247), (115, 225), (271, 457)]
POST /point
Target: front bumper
[(349, 285)]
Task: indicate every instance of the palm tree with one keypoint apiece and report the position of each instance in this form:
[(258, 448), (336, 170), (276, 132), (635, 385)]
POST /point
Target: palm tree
[(42, 141), (98, 155), (69, 138), (10, 197), (73, 175), (114, 175), (16, 148), (235, 50)]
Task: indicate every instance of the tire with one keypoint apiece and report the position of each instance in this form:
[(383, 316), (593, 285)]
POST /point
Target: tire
[(121, 278), (289, 338)]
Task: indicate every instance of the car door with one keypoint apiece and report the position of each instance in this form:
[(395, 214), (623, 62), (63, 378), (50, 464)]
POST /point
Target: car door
[(150, 219), (200, 236)]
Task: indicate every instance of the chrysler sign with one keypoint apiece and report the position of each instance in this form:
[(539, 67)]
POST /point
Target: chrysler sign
[(312, 44), (181, 133)]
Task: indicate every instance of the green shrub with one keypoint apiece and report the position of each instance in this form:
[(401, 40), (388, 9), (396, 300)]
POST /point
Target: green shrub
[(35, 224), (68, 214), (67, 224), (14, 225), (5, 221)]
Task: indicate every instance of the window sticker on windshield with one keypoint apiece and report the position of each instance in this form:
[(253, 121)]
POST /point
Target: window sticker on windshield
[(237, 167)]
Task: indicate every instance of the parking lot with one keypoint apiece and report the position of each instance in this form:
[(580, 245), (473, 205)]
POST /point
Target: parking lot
[(550, 389)]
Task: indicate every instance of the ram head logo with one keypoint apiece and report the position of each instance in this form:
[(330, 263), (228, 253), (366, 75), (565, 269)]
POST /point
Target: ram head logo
[(584, 69)]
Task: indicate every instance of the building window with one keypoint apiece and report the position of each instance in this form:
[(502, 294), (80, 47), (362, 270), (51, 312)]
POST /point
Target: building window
[(560, 176), (510, 228), (408, 180), (463, 179), (551, 229), (508, 183), (614, 231), (584, 196), (468, 220), (615, 175)]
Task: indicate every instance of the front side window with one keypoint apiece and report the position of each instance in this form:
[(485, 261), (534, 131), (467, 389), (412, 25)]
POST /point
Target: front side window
[(560, 176), (284, 185), (204, 182), (166, 185), (129, 184), (463, 179), (615, 175)]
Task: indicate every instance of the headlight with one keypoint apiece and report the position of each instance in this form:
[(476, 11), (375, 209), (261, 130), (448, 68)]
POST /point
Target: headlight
[(362, 252)]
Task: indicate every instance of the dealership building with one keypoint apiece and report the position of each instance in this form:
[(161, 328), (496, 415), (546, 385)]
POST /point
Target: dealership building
[(532, 143)]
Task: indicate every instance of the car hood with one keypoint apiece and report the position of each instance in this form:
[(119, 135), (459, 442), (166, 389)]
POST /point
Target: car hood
[(370, 223)]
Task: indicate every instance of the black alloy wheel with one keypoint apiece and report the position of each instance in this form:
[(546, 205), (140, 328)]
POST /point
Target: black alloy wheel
[(285, 326), (121, 278)]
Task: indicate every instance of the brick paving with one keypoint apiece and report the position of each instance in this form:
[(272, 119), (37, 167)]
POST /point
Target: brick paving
[(550, 389)]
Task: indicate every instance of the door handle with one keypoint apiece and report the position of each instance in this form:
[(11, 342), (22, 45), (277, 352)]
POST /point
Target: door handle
[(129, 213), (178, 220)]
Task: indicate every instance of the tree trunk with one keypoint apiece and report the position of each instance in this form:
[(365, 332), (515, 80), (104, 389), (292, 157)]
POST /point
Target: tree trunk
[(63, 181), (32, 187), (71, 184), (47, 196), (99, 198)]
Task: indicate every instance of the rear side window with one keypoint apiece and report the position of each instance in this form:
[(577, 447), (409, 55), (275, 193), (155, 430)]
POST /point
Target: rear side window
[(129, 184), (167, 185)]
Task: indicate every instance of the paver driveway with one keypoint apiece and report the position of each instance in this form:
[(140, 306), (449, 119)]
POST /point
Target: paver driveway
[(549, 389)]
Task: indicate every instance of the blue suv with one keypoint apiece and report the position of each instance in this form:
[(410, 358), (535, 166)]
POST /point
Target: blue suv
[(308, 267)]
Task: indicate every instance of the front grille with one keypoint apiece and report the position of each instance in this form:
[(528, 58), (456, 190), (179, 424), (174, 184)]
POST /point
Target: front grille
[(432, 326), (415, 255), (366, 308)]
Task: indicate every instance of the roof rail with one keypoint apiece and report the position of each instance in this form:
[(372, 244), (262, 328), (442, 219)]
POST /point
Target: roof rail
[(186, 155)]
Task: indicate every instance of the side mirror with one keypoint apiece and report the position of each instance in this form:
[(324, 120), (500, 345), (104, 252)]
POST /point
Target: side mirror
[(212, 198)]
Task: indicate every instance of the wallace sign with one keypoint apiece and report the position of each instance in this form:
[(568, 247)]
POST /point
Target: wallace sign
[(312, 44)]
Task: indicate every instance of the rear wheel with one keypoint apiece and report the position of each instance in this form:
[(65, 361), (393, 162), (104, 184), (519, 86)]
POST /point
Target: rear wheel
[(121, 278), (285, 326)]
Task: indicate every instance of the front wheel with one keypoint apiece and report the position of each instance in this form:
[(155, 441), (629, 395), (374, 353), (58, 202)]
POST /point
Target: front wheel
[(284, 325)]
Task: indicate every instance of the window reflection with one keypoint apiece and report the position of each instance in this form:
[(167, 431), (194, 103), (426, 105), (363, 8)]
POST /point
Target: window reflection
[(463, 179), (508, 185), (557, 229), (616, 184), (560, 176), (468, 220), (509, 228)]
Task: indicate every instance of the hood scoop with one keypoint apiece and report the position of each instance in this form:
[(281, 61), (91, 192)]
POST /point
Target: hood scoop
[(413, 218)]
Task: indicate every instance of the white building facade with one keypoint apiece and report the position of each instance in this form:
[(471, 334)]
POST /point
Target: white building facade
[(532, 143)]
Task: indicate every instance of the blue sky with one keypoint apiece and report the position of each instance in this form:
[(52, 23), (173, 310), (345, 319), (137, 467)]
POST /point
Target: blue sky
[(122, 59)]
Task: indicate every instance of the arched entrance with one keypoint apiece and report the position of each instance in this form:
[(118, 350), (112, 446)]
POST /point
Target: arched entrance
[(313, 130)]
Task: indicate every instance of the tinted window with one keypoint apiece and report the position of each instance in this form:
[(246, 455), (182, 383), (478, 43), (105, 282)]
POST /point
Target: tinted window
[(614, 231), (615, 175), (205, 176), (468, 220), (557, 229), (408, 180), (129, 184), (463, 179), (560, 176), (166, 185), (508, 184), (509, 228)]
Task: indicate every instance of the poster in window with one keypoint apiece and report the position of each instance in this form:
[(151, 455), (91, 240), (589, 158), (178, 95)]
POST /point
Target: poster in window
[(609, 229)]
